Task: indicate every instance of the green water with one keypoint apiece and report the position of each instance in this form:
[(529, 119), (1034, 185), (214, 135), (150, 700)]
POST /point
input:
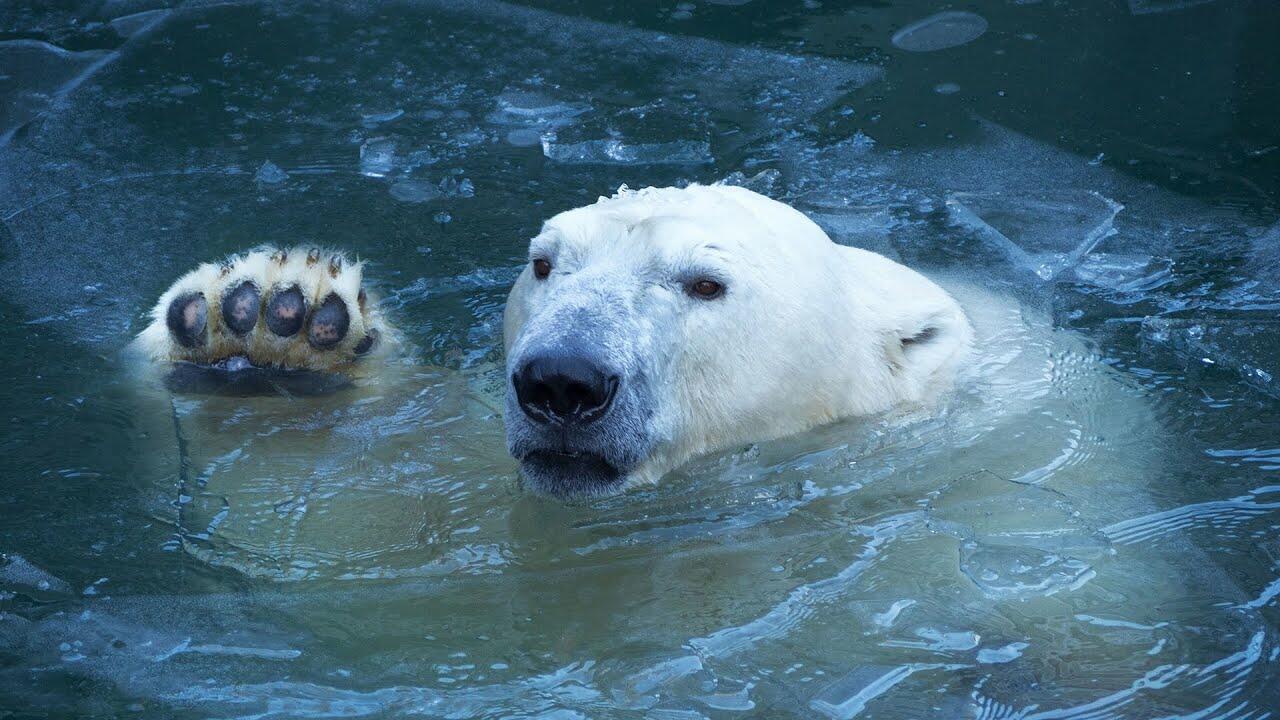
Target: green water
[(1089, 528)]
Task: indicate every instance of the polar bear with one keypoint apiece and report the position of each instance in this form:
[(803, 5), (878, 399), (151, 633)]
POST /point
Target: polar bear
[(647, 329), (658, 325), (975, 529)]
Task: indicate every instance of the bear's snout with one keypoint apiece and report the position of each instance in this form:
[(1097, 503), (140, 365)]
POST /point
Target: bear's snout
[(564, 388)]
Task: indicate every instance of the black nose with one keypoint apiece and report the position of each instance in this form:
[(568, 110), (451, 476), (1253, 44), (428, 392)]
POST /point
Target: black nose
[(564, 389)]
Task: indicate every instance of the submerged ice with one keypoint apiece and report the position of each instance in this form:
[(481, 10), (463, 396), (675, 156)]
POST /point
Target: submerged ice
[(941, 31), (1044, 233), (35, 74)]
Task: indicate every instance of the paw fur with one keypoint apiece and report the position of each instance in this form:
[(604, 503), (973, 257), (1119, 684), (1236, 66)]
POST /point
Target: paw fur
[(299, 308)]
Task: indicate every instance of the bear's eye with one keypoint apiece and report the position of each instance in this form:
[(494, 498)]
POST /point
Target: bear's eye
[(705, 289), (541, 269)]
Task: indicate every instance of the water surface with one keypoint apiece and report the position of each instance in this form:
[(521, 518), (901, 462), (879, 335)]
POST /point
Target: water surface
[(1087, 529)]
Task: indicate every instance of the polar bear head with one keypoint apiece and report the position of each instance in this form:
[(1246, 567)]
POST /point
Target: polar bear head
[(661, 324)]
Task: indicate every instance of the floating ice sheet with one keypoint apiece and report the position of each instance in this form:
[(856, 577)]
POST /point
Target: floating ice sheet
[(662, 132), (1045, 233), (35, 74), (617, 150), (17, 571), (1248, 346), (1124, 273), (941, 31), (536, 108), (130, 25)]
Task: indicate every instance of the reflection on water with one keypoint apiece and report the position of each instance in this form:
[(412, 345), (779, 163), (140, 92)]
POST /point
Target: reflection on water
[(1087, 529)]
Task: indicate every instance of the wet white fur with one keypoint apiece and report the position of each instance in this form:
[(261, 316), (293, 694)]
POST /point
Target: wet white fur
[(263, 266), (807, 333)]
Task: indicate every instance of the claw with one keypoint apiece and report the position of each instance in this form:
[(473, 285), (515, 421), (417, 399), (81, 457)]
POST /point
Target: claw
[(313, 256), (335, 266), (366, 343)]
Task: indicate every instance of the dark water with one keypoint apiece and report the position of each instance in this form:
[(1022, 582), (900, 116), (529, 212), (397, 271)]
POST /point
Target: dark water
[(1091, 531)]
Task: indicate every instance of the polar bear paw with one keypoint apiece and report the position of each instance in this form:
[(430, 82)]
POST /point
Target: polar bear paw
[(269, 308)]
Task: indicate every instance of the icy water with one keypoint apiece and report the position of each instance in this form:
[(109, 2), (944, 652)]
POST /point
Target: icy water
[(1087, 529)]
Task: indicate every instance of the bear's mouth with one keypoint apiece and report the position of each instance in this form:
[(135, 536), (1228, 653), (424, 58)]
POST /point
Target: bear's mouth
[(569, 474)]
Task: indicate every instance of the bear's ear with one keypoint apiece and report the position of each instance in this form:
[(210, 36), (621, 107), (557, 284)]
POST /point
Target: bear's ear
[(900, 347), (921, 345)]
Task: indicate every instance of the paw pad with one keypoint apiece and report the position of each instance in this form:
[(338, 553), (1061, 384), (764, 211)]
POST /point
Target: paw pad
[(187, 319), (264, 301), (240, 308), (286, 311), (328, 323)]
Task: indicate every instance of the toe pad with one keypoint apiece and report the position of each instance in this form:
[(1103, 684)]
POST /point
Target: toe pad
[(329, 323), (187, 318), (240, 308), (286, 311)]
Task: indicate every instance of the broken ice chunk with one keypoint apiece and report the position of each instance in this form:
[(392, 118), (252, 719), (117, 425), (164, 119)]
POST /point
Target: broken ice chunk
[(738, 701), (375, 119), (655, 677), (936, 640), (1045, 233), (457, 187), (524, 137), (377, 156), (1250, 347), (535, 108), (764, 182), (619, 151), (271, 174), (414, 191), (17, 570), (420, 191), (1001, 655), (941, 31), (667, 131)]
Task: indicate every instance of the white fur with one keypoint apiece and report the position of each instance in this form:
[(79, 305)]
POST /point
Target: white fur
[(807, 332)]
